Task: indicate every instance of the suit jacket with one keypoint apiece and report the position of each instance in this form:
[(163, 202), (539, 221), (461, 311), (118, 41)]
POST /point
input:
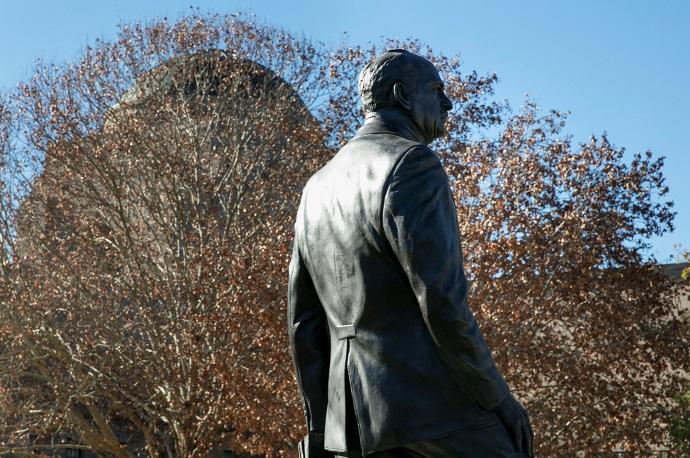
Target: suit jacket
[(377, 293)]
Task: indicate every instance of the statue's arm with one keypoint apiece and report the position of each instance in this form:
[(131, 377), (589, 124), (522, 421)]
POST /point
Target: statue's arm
[(309, 342), (420, 222)]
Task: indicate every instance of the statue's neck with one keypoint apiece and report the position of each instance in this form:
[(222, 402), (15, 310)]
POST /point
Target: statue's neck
[(397, 121)]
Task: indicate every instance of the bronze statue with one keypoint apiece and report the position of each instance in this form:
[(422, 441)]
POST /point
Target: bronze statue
[(389, 358)]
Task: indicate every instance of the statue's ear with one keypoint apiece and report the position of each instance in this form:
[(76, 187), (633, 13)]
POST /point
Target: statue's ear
[(400, 95)]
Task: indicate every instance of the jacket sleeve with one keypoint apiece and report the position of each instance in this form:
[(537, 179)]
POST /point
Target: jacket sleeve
[(420, 223), (309, 341)]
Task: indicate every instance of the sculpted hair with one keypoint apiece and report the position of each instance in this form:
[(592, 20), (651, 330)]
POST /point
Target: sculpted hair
[(376, 80)]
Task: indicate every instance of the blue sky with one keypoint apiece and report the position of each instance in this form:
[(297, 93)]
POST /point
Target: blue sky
[(620, 67)]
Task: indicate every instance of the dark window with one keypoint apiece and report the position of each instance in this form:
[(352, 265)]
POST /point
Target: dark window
[(73, 453)]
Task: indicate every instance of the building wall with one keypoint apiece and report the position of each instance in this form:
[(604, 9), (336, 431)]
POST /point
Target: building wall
[(684, 301), (674, 271)]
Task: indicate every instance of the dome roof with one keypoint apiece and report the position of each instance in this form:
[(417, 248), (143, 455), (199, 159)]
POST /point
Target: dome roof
[(211, 73)]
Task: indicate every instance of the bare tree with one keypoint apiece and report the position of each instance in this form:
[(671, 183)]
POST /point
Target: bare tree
[(149, 248), (555, 245)]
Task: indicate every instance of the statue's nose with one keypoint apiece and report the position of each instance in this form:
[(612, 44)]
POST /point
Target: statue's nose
[(446, 103)]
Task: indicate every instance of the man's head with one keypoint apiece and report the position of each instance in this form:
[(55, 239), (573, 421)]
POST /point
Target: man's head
[(398, 79)]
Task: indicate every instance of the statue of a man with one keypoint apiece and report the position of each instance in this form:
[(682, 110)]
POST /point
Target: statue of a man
[(389, 358)]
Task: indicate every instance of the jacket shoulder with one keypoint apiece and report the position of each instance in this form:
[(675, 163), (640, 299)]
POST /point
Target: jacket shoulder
[(417, 158), (417, 169), (378, 152)]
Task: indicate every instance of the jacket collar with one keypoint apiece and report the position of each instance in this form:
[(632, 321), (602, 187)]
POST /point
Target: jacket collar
[(390, 121)]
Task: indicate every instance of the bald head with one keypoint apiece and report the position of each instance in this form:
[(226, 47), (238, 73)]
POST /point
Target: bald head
[(377, 79)]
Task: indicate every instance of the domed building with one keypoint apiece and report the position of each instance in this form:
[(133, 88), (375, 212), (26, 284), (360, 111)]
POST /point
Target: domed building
[(228, 123)]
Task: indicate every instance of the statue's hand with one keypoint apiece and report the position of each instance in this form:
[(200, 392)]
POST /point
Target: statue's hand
[(312, 447), (516, 419)]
